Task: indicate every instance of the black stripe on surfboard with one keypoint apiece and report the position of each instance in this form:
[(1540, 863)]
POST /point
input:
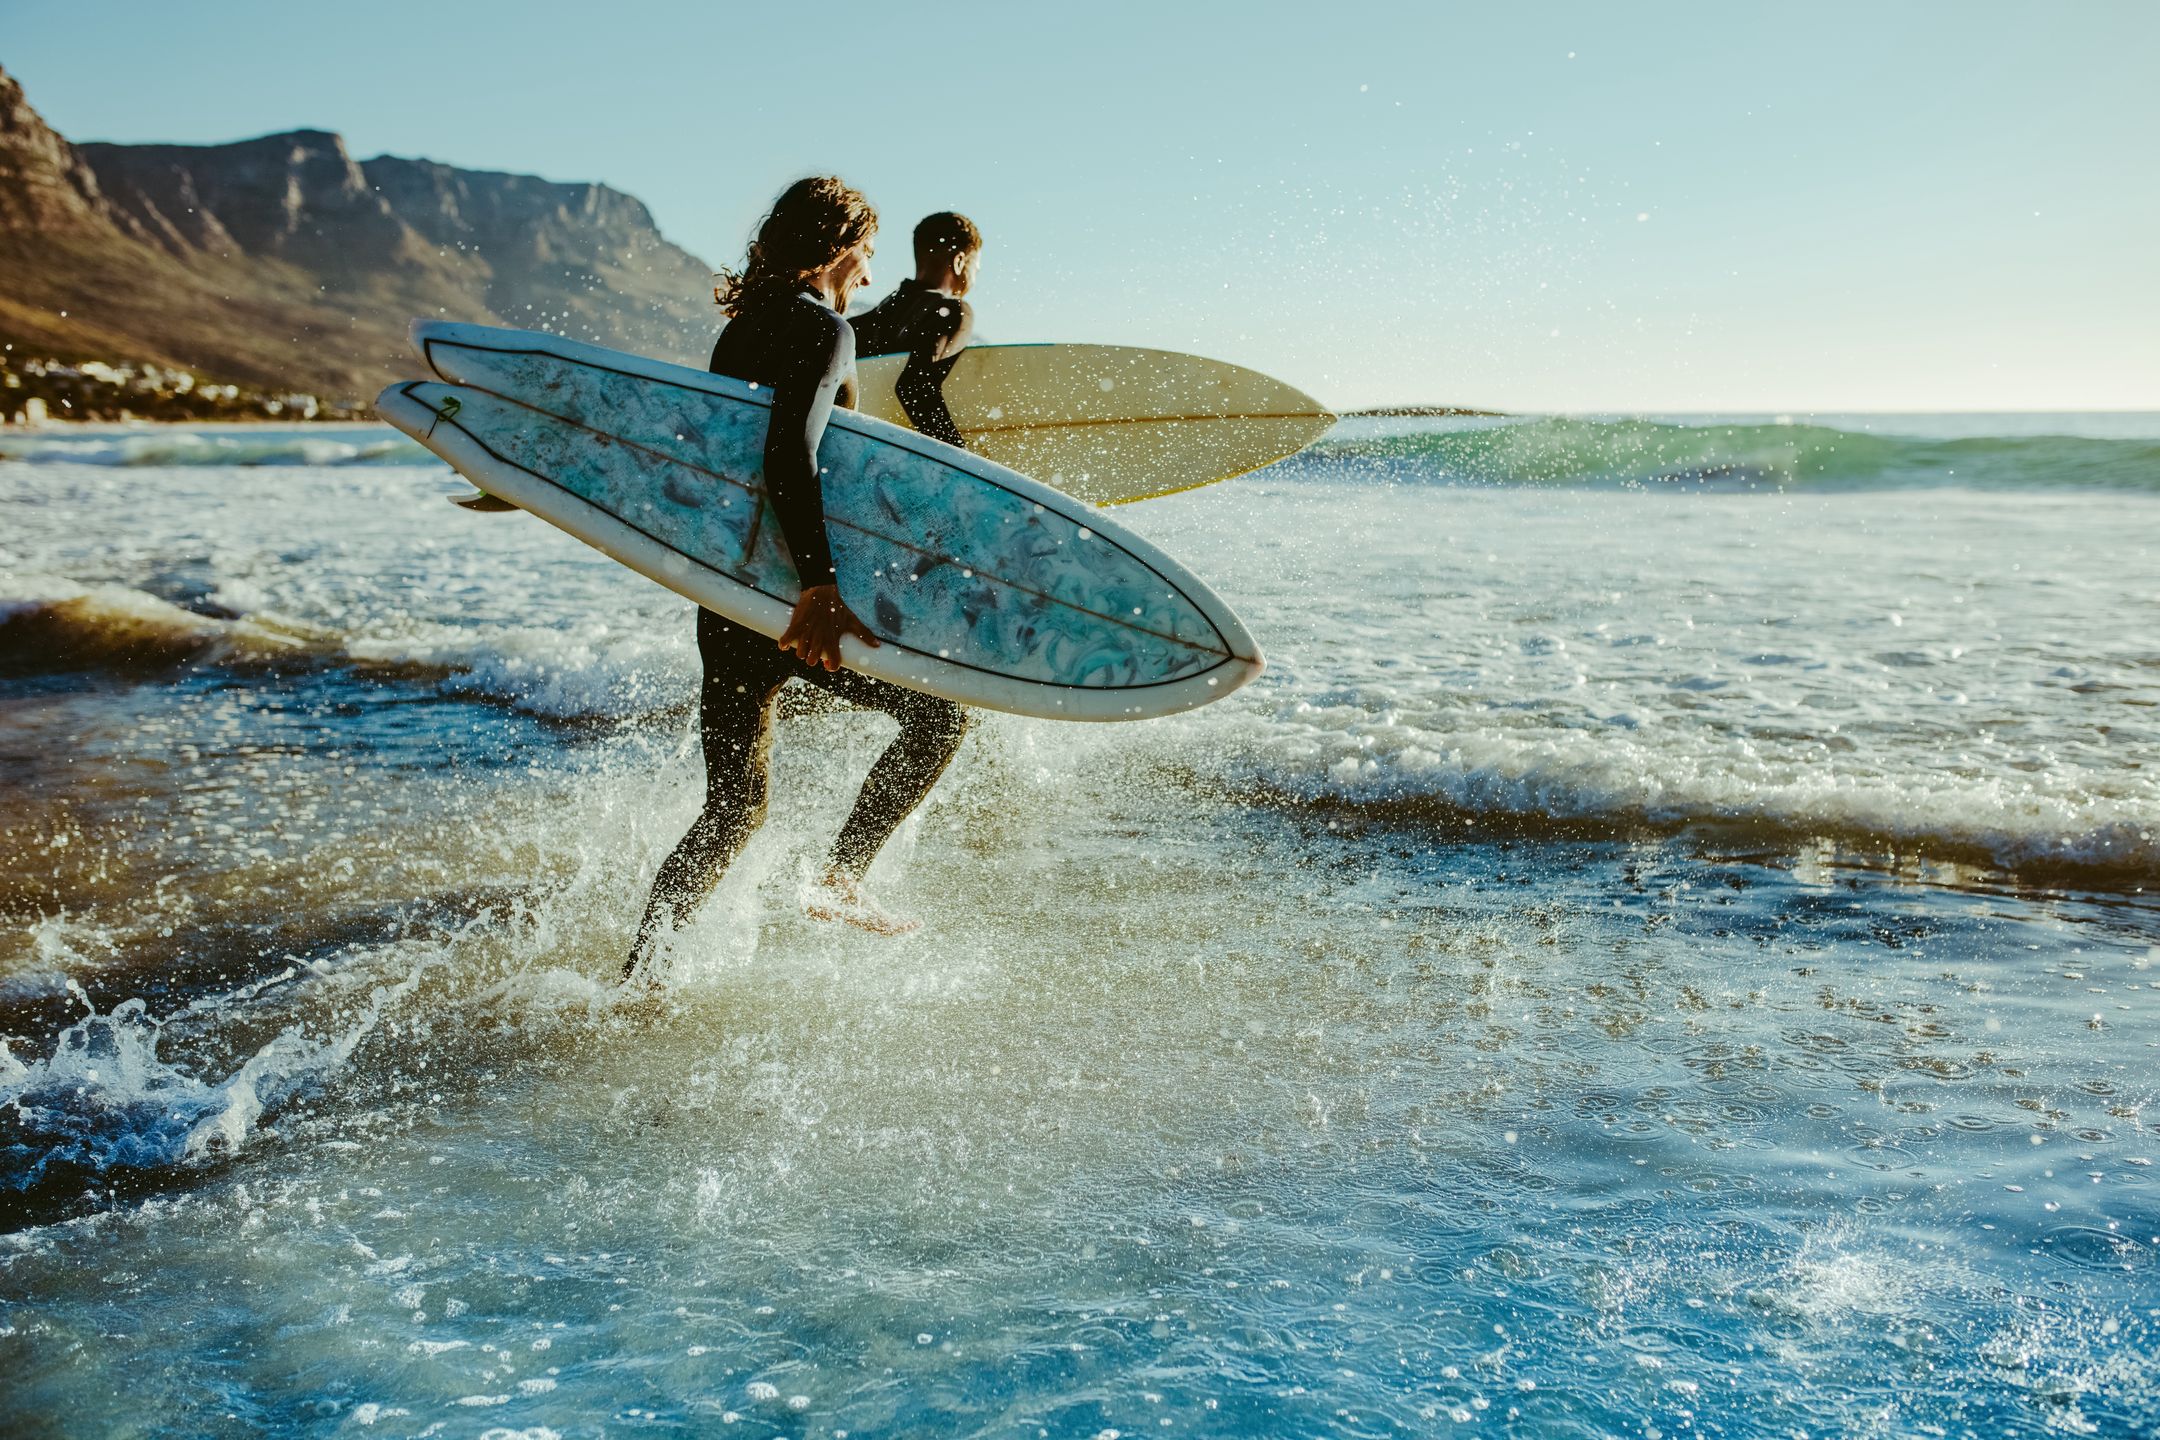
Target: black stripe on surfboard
[(1221, 647), (908, 440), (893, 540)]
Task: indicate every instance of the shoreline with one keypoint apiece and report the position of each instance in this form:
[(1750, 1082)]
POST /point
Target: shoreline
[(139, 425)]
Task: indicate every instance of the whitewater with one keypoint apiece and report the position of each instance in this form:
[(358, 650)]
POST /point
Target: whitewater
[(1808, 631), (1667, 946)]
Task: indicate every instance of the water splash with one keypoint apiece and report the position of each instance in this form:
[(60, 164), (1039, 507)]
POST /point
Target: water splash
[(106, 1106)]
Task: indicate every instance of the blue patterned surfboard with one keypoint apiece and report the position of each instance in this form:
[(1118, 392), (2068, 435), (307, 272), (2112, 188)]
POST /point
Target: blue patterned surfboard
[(986, 587)]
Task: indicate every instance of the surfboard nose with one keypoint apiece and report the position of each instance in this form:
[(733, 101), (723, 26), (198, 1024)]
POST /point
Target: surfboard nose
[(420, 330), (395, 407)]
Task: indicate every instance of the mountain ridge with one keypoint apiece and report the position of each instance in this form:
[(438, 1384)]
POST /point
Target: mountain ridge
[(283, 262)]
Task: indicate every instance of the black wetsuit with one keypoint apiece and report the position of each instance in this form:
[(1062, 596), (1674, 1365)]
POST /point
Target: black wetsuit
[(931, 328), (806, 353)]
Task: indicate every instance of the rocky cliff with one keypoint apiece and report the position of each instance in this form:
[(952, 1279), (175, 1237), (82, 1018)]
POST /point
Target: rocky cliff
[(284, 263), (44, 184)]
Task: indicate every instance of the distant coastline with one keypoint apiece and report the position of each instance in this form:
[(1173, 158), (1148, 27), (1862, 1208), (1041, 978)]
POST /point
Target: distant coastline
[(1380, 412), (41, 391)]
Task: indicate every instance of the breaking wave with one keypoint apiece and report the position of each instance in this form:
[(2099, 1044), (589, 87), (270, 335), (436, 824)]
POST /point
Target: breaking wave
[(1385, 756), (1650, 453), (172, 447), (1454, 773), (590, 672)]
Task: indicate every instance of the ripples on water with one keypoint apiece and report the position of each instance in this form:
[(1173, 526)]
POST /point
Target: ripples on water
[(1272, 1070)]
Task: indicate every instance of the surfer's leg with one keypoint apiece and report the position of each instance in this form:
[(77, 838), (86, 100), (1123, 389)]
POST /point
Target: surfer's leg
[(930, 733), (735, 707)]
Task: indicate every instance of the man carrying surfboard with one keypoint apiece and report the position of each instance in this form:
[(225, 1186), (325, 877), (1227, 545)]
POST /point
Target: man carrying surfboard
[(929, 320), (785, 331)]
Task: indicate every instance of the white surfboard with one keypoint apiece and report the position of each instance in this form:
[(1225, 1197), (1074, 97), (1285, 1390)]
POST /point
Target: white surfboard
[(1112, 423), (984, 586)]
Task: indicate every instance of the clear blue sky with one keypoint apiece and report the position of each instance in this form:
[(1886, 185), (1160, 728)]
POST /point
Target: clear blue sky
[(1575, 207)]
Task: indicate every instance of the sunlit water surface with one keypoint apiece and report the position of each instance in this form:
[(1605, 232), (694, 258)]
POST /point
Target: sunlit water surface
[(1664, 951)]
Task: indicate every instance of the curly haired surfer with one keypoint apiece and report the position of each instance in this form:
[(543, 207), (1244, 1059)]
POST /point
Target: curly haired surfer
[(810, 255)]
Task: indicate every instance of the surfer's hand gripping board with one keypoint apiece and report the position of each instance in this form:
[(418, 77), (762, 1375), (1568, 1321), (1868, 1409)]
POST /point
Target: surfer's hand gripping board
[(820, 622)]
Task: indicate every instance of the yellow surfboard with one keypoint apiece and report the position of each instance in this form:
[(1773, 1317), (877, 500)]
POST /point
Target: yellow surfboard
[(1110, 423)]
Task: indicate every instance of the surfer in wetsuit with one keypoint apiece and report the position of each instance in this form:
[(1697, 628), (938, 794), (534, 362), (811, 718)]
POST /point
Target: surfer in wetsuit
[(928, 319), (786, 332)]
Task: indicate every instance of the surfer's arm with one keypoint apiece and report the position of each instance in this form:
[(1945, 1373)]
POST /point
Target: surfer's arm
[(921, 389), (922, 395), (802, 404)]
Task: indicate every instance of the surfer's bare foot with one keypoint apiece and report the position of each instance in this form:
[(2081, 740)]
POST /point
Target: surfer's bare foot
[(640, 989), (657, 922), (642, 982), (837, 896), (639, 995)]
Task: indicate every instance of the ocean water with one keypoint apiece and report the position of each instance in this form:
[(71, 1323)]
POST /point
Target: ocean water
[(1669, 948)]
